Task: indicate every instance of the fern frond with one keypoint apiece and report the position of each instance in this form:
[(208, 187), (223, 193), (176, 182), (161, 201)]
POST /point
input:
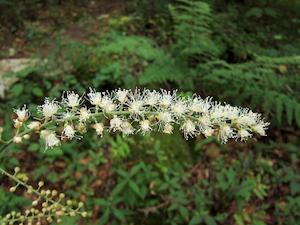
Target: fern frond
[(192, 20), (260, 83)]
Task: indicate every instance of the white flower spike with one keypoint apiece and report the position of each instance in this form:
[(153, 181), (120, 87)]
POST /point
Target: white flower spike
[(142, 111)]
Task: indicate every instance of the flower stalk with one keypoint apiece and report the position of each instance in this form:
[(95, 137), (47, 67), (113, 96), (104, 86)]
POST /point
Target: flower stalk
[(52, 205), (126, 111)]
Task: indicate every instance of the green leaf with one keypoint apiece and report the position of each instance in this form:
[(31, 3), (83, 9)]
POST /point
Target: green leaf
[(17, 89), (102, 202), (297, 117), (195, 220), (238, 219), (119, 188), (184, 212), (119, 214), (289, 111), (56, 151), (209, 220), (134, 170), (123, 173), (133, 186), (34, 147), (105, 217), (295, 187), (52, 177), (25, 72), (37, 92), (279, 109)]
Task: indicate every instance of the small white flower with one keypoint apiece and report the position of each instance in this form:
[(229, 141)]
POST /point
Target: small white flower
[(121, 95), (168, 128), (50, 138), (68, 132), (247, 118), (204, 122), (145, 126), (165, 117), (179, 108), (49, 108), (115, 124), (189, 129), (243, 134), (231, 113), (67, 116), (107, 104), (225, 132), (34, 125), (99, 127), (151, 98), (127, 128), (136, 107), (22, 114), (72, 100), (167, 98), (17, 139), (135, 103), (217, 113), (260, 128), (84, 114), (94, 97), (199, 105)]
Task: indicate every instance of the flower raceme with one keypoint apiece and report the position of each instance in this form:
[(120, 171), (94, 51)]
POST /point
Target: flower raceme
[(138, 111)]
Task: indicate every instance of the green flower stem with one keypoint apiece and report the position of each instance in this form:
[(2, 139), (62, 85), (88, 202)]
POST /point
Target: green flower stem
[(32, 217), (19, 182)]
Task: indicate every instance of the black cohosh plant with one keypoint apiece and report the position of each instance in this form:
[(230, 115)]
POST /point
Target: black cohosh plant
[(125, 111)]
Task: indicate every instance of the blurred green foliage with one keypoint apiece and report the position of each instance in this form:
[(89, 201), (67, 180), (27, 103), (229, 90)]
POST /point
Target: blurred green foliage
[(242, 52)]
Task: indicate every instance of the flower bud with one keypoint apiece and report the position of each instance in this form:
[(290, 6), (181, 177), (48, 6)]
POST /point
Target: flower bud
[(99, 127), (48, 192), (34, 203), (17, 139), (41, 183), (84, 214), (30, 190), (17, 169), (34, 125), (13, 189), (81, 128), (168, 128), (26, 136), (18, 124)]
